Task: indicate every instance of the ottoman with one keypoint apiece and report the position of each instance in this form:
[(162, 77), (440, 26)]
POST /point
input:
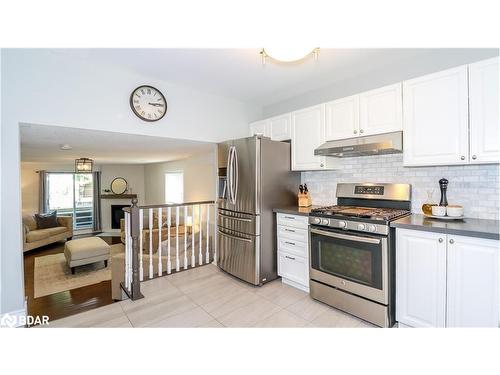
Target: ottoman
[(85, 251)]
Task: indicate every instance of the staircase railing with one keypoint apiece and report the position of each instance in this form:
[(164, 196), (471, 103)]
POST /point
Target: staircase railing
[(165, 238)]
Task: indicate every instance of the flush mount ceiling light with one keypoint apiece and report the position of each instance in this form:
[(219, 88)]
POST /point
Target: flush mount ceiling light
[(65, 147), (288, 54), (83, 165)]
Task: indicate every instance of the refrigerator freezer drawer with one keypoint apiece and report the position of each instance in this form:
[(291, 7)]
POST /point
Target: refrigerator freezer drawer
[(239, 222), (239, 255)]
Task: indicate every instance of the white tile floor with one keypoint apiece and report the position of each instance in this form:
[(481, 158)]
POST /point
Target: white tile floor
[(208, 297)]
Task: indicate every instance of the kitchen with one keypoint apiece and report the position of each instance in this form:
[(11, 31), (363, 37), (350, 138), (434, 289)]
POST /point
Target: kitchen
[(382, 156)]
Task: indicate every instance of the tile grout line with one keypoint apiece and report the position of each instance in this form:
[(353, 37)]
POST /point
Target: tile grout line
[(126, 315)]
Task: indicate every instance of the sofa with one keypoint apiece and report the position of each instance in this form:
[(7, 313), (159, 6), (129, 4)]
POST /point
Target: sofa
[(34, 238)]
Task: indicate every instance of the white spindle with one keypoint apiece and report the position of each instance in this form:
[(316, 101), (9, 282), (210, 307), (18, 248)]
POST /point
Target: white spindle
[(207, 255), (200, 254), (215, 235), (127, 243), (186, 233), (177, 260), (150, 243), (160, 223), (141, 225), (193, 260), (169, 265)]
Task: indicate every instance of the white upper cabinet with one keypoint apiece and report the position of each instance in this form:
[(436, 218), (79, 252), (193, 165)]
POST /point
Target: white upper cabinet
[(342, 118), (381, 110), (308, 133), (483, 107), (281, 127), (260, 128), (473, 282), (420, 278), (435, 119)]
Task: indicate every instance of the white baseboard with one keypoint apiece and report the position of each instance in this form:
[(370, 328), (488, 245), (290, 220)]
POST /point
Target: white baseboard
[(13, 319), (295, 284)]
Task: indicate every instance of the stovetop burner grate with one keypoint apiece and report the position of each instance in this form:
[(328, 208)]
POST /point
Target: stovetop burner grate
[(362, 212)]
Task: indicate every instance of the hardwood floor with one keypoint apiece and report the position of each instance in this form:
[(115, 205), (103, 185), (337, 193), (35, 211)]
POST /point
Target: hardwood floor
[(70, 302)]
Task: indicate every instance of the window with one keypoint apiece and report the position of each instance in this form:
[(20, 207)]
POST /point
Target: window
[(174, 187), (71, 194)]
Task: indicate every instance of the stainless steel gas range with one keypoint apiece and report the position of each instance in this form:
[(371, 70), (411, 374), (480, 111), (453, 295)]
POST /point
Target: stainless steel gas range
[(352, 250)]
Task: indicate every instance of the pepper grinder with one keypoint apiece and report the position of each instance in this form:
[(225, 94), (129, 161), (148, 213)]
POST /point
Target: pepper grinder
[(443, 185)]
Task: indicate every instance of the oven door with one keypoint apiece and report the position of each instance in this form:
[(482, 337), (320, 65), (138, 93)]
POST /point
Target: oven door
[(355, 263)]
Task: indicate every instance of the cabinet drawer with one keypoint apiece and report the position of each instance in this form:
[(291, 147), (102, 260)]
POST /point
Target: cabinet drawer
[(294, 234), (293, 267), (296, 221), (293, 247)]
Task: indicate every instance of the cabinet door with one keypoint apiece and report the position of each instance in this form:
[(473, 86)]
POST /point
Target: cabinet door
[(381, 110), (342, 118), (435, 119), (281, 127), (473, 282), (420, 278), (483, 107), (260, 128), (308, 133)]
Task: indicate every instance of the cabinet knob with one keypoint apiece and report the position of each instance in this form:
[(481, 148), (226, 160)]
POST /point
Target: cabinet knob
[(474, 157), (462, 157), (361, 131), (321, 165), (440, 240), (355, 132), (452, 241)]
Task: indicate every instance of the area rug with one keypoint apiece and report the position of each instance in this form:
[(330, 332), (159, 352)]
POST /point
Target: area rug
[(52, 274)]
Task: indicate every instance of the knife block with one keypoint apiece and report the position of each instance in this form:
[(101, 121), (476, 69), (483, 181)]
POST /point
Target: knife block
[(304, 200)]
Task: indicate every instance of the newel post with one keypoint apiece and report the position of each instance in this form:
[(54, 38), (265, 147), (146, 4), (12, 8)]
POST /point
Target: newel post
[(135, 231)]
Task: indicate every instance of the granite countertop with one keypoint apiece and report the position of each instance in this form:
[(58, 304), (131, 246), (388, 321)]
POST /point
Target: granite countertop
[(467, 227), (295, 210)]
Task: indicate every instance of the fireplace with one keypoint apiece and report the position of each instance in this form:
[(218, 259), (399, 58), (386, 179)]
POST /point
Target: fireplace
[(117, 214)]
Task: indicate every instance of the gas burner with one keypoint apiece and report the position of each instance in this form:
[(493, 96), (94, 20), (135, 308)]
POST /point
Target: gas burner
[(373, 213)]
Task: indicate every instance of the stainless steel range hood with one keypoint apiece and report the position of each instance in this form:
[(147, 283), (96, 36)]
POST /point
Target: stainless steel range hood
[(388, 143)]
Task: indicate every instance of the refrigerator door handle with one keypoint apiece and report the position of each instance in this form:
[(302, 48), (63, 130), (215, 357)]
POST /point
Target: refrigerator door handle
[(234, 237), (235, 161), (229, 173)]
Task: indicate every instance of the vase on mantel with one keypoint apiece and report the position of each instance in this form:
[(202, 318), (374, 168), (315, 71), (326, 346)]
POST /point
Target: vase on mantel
[(427, 206)]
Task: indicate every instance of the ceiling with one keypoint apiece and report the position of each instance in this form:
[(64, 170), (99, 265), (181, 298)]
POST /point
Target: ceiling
[(41, 143), (239, 73)]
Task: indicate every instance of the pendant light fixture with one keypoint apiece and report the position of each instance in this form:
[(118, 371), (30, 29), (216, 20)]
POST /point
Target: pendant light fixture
[(84, 165), (288, 54)]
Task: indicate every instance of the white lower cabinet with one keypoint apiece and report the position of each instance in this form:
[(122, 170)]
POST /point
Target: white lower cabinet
[(293, 250), (445, 280)]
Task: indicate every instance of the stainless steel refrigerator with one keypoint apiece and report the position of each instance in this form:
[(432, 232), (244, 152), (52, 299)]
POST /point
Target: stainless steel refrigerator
[(254, 177)]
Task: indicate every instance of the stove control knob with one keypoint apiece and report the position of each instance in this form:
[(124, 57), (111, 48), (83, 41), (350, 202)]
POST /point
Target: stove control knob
[(325, 221), (372, 228), (315, 220), (342, 224), (361, 227)]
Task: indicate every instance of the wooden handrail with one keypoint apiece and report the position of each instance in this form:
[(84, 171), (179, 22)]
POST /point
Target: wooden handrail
[(176, 204)]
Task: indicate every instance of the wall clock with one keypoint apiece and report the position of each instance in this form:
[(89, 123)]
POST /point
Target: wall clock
[(148, 103)]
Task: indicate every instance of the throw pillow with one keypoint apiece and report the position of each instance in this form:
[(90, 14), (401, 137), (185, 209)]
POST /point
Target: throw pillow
[(44, 221)]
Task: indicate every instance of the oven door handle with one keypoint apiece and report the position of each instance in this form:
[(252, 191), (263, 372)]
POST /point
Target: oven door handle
[(346, 236)]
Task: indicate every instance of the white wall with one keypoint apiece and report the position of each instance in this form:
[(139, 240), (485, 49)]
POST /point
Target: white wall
[(199, 178), (45, 88), (438, 59)]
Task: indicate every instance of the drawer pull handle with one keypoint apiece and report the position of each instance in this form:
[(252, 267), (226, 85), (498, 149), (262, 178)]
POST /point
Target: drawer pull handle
[(290, 243), (289, 217), (292, 258), (289, 230)]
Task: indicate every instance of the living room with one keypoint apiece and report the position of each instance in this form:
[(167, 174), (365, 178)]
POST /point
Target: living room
[(90, 204)]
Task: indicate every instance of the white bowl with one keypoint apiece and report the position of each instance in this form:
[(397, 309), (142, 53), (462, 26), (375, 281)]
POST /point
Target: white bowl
[(454, 210), (438, 210)]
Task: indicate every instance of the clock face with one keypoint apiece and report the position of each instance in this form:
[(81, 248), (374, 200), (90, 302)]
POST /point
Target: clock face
[(148, 103)]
